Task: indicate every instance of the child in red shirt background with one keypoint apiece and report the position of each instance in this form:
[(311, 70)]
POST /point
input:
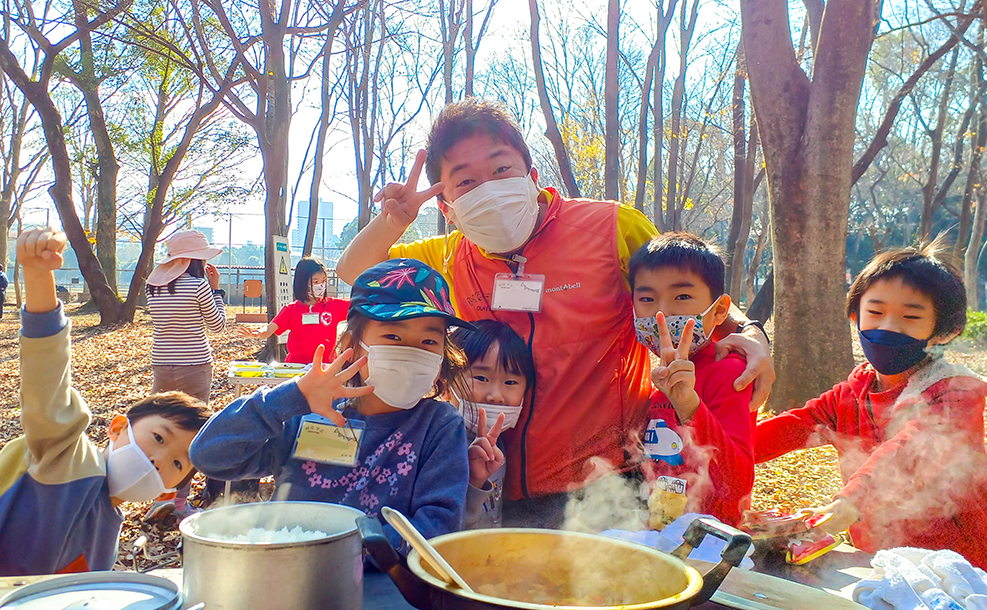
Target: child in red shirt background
[(312, 318), (699, 435), (908, 425)]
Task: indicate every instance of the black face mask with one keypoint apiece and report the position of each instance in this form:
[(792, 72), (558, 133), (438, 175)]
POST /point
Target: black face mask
[(891, 353)]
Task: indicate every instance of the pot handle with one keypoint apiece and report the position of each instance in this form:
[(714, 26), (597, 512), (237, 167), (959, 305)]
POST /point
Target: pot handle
[(387, 559), (737, 544)]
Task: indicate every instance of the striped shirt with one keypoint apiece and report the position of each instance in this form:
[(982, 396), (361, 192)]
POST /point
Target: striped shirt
[(180, 322)]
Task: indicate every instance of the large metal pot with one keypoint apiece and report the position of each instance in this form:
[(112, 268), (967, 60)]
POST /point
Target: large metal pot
[(584, 569), (322, 573)]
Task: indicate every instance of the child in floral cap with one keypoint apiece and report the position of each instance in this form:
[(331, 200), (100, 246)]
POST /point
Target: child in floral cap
[(367, 430)]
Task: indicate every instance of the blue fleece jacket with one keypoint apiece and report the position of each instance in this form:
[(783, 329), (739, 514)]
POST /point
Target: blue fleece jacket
[(413, 461)]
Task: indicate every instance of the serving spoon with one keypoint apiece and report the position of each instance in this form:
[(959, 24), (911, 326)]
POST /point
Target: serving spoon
[(413, 537)]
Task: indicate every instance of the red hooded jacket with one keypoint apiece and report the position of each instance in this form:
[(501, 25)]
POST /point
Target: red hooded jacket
[(912, 458)]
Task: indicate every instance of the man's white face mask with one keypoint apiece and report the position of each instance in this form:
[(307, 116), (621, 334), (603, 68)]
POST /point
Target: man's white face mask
[(130, 474), (499, 215)]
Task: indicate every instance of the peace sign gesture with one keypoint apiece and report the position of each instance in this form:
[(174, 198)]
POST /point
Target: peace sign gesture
[(322, 385), (484, 455), (401, 202), (676, 377)]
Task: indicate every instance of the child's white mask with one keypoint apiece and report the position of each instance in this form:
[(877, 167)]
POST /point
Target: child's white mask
[(471, 414), (401, 375), (319, 290), (130, 474), (647, 331)]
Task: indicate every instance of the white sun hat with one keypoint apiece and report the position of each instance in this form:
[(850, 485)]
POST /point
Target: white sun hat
[(182, 248)]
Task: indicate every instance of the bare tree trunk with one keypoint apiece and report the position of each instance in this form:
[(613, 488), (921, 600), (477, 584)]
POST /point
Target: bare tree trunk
[(807, 135), (973, 175), (971, 273), (109, 305), (760, 243), (611, 137), (687, 26), (659, 126), (552, 128), (325, 114), (106, 178), (928, 189)]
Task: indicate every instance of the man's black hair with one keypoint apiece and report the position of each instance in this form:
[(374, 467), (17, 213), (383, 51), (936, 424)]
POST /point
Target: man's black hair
[(681, 251)]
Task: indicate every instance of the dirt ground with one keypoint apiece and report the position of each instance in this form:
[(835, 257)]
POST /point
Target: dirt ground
[(112, 369)]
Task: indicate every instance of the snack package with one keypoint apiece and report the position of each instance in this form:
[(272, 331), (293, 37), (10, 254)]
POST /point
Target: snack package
[(667, 501), (804, 549)]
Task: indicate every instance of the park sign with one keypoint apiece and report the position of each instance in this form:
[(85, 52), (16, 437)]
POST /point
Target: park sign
[(282, 277)]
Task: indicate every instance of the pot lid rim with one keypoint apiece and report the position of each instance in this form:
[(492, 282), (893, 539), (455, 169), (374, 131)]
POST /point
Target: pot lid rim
[(167, 592), (185, 527)]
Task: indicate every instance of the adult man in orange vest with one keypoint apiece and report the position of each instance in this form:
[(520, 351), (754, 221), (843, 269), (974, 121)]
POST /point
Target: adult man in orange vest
[(555, 270)]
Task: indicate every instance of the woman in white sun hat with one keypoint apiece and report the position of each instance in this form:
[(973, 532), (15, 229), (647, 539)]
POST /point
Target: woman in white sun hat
[(184, 298)]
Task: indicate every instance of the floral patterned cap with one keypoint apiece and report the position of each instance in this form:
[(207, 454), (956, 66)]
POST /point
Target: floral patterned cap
[(403, 288)]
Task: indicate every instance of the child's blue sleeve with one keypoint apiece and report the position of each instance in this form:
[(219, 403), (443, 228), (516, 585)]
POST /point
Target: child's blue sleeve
[(439, 496), (39, 325), (251, 436)]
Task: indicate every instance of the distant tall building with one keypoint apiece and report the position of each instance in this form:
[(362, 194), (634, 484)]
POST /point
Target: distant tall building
[(323, 227)]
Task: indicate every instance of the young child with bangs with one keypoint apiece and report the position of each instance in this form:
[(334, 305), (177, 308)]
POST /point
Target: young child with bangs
[(698, 444), (501, 370), (409, 449), (60, 493), (908, 424)]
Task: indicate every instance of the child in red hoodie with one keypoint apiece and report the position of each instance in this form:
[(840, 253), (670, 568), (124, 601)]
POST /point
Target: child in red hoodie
[(908, 425), (699, 435)]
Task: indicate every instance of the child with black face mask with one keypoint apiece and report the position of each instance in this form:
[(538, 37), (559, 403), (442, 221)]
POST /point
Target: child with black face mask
[(908, 424)]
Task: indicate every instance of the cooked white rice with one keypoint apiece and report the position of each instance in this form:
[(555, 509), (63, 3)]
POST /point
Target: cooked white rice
[(281, 536)]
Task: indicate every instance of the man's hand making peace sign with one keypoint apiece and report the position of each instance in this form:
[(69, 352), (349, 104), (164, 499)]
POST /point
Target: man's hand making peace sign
[(676, 377), (399, 203)]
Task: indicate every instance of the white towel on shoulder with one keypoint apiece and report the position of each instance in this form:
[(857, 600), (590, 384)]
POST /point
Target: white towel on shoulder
[(918, 579), (670, 538)]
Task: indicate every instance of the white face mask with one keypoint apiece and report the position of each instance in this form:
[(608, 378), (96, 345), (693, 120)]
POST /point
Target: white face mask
[(499, 215), (130, 474), (647, 331), (471, 414), (401, 375), (319, 290)]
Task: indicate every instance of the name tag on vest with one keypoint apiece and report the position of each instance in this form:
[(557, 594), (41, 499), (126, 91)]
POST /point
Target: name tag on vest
[(518, 292)]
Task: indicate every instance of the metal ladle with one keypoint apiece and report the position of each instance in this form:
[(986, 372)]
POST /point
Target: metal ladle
[(413, 537)]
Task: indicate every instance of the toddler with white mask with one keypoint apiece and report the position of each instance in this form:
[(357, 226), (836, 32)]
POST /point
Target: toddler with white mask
[(501, 371), (60, 493), (397, 444)]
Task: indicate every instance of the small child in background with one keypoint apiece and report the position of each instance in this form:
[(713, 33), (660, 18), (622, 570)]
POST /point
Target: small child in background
[(311, 319), (500, 372), (699, 438), (908, 424), (397, 446), (58, 492)]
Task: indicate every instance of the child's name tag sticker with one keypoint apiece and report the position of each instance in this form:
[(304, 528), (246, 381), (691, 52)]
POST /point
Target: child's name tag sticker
[(320, 440), (518, 292), (310, 318)]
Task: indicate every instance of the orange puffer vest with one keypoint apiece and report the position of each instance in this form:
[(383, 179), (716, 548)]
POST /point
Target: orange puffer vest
[(592, 386)]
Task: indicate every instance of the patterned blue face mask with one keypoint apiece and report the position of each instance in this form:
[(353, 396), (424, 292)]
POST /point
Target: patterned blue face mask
[(647, 330)]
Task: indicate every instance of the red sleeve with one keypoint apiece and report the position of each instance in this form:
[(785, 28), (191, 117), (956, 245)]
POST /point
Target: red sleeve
[(723, 421), (800, 428), (935, 454), (285, 318)]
